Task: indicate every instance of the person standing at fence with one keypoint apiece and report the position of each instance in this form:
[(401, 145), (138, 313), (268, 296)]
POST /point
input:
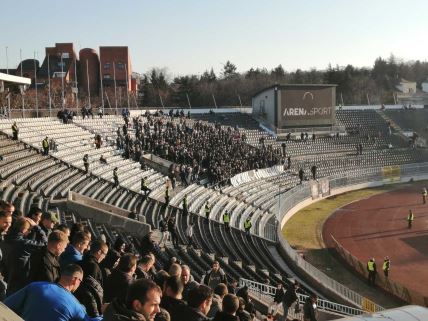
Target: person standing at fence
[(45, 145), (289, 298), (226, 219), (279, 295), (185, 206), (424, 195), (371, 268), (86, 163), (310, 308), (207, 210), (167, 195), (301, 175), (189, 233), (386, 266), (115, 177), (15, 131), (410, 219), (247, 226)]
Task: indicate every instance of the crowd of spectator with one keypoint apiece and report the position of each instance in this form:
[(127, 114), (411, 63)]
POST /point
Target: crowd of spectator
[(55, 272), (201, 149)]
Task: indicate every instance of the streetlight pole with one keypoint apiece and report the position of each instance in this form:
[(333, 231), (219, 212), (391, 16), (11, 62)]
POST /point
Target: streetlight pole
[(62, 82), (7, 62)]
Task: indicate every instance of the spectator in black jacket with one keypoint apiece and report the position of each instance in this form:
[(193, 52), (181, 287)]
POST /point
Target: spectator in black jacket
[(309, 308), (44, 264), (113, 256), (198, 305), (215, 276), (289, 297), (144, 267), (172, 299), (188, 281), (241, 313), (120, 279), (5, 223), (91, 260), (230, 306), (279, 294), (16, 254), (220, 292), (141, 303), (90, 294)]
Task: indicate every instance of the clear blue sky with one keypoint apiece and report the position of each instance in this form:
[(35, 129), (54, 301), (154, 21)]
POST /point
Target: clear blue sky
[(190, 36)]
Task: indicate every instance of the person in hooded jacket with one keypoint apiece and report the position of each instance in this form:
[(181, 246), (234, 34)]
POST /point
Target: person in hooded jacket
[(16, 254)]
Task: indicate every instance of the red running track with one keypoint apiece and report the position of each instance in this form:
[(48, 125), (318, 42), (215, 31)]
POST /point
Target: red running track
[(377, 227)]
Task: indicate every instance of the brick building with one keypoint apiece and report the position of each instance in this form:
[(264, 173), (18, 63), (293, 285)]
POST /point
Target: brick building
[(116, 65)]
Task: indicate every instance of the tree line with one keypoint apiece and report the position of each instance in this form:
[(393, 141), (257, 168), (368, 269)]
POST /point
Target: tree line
[(231, 88)]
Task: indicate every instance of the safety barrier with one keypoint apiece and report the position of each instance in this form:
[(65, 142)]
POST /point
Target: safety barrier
[(266, 293), (305, 194)]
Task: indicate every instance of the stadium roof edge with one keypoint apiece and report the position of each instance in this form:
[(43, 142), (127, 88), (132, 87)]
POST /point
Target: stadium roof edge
[(285, 86), (15, 79)]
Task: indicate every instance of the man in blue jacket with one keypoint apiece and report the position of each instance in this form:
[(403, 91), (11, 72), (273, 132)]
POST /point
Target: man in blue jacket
[(41, 301), (73, 254)]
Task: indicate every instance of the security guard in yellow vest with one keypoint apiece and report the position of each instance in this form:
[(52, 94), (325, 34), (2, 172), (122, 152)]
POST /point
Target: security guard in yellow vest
[(386, 265), (226, 219), (15, 131), (410, 219), (371, 268), (207, 210), (45, 145), (247, 226)]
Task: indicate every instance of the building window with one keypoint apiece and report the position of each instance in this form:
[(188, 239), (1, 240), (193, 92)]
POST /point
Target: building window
[(107, 76), (120, 65), (107, 65), (61, 64)]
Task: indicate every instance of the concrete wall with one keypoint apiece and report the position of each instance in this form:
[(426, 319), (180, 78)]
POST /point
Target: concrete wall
[(266, 99), (103, 213), (159, 164)]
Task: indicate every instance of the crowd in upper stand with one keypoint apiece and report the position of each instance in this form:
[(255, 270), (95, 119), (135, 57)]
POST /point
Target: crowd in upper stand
[(52, 271), (203, 149)]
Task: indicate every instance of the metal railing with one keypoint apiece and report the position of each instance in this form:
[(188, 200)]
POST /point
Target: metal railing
[(266, 293), (291, 198)]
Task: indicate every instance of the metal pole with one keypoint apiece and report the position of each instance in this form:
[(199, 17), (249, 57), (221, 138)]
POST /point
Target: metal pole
[(22, 86), (368, 100), (188, 101), (127, 88), (341, 98), (161, 101), (114, 80), (102, 90), (75, 84), (240, 102), (215, 103), (62, 83), (7, 62), (49, 88), (87, 80), (35, 85)]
